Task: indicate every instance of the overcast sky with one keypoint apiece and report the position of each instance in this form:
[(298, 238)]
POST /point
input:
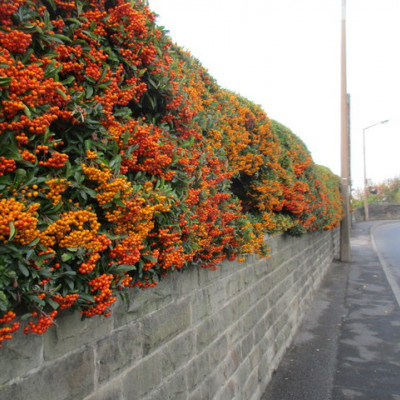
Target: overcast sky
[(285, 56)]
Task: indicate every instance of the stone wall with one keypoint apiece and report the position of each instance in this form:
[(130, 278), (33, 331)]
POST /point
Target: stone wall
[(198, 335), (378, 211)]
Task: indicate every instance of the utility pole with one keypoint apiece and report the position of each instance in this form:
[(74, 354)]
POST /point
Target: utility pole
[(345, 150)]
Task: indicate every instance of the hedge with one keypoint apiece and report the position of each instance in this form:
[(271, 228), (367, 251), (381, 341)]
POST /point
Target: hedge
[(122, 160)]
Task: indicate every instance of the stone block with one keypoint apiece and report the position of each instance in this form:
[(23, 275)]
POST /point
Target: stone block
[(264, 345), (143, 378), (213, 384), (184, 282), (71, 332), (234, 284), (196, 395), (250, 387), (280, 275), (255, 355), (218, 351), (229, 391), (19, 355), (250, 319), (119, 350), (260, 289), (207, 277), (246, 345), (71, 378), (177, 352), (250, 276), (111, 391), (163, 325), (217, 295), (276, 294), (231, 362), (207, 332), (240, 305), (197, 371), (141, 303), (173, 389), (241, 376), (226, 268), (235, 332), (261, 268), (201, 306), (266, 367)]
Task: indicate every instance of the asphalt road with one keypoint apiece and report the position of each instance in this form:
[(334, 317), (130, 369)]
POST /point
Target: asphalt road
[(386, 239), (348, 347)]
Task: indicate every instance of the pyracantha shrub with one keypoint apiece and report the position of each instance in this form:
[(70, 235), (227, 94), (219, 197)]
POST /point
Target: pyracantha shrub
[(121, 160)]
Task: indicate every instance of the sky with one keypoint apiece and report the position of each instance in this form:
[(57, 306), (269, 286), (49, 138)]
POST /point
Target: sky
[(285, 55)]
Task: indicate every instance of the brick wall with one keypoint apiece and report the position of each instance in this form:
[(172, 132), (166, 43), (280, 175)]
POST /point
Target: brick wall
[(198, 335)]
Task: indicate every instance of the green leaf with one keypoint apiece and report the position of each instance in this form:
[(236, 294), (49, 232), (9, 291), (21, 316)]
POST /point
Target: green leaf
[(103, 74), (51, 70), (3, 301), (61, 93), (70, 283), (53, 5), (121, 269), (27, 112), (73, 249), (62, 37), (46, 19), (13, 230), (34, 242), (90, 192), (149, 258), (68, 80), (92, 35), (88, 144), (53, 303), (47, 256), (120, 203), (23, 269), (86, 297), (5, 81), (90, 79), (36, 299), (116, 161), (26, 316), (112, 56), (89, 92), (66, 257), (29, 254)]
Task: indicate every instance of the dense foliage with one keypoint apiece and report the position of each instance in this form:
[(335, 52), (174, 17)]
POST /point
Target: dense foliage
[(121, 159), (387, 191)]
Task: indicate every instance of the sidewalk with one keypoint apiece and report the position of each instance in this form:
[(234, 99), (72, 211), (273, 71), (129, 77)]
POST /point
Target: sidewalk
[(348, 346)]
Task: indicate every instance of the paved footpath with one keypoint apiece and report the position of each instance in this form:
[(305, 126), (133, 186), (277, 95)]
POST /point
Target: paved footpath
[(348, 346)]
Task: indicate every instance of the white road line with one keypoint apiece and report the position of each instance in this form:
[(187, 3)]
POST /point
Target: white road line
[(392, 282)]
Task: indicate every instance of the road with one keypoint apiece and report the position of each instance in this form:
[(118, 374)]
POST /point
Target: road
[(386, 239), (348, 347)]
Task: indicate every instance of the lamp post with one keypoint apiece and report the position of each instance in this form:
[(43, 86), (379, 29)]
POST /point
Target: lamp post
[(345, 253), (366, 210)]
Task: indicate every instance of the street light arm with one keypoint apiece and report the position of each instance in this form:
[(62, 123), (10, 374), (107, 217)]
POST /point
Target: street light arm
[(378, 123)]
